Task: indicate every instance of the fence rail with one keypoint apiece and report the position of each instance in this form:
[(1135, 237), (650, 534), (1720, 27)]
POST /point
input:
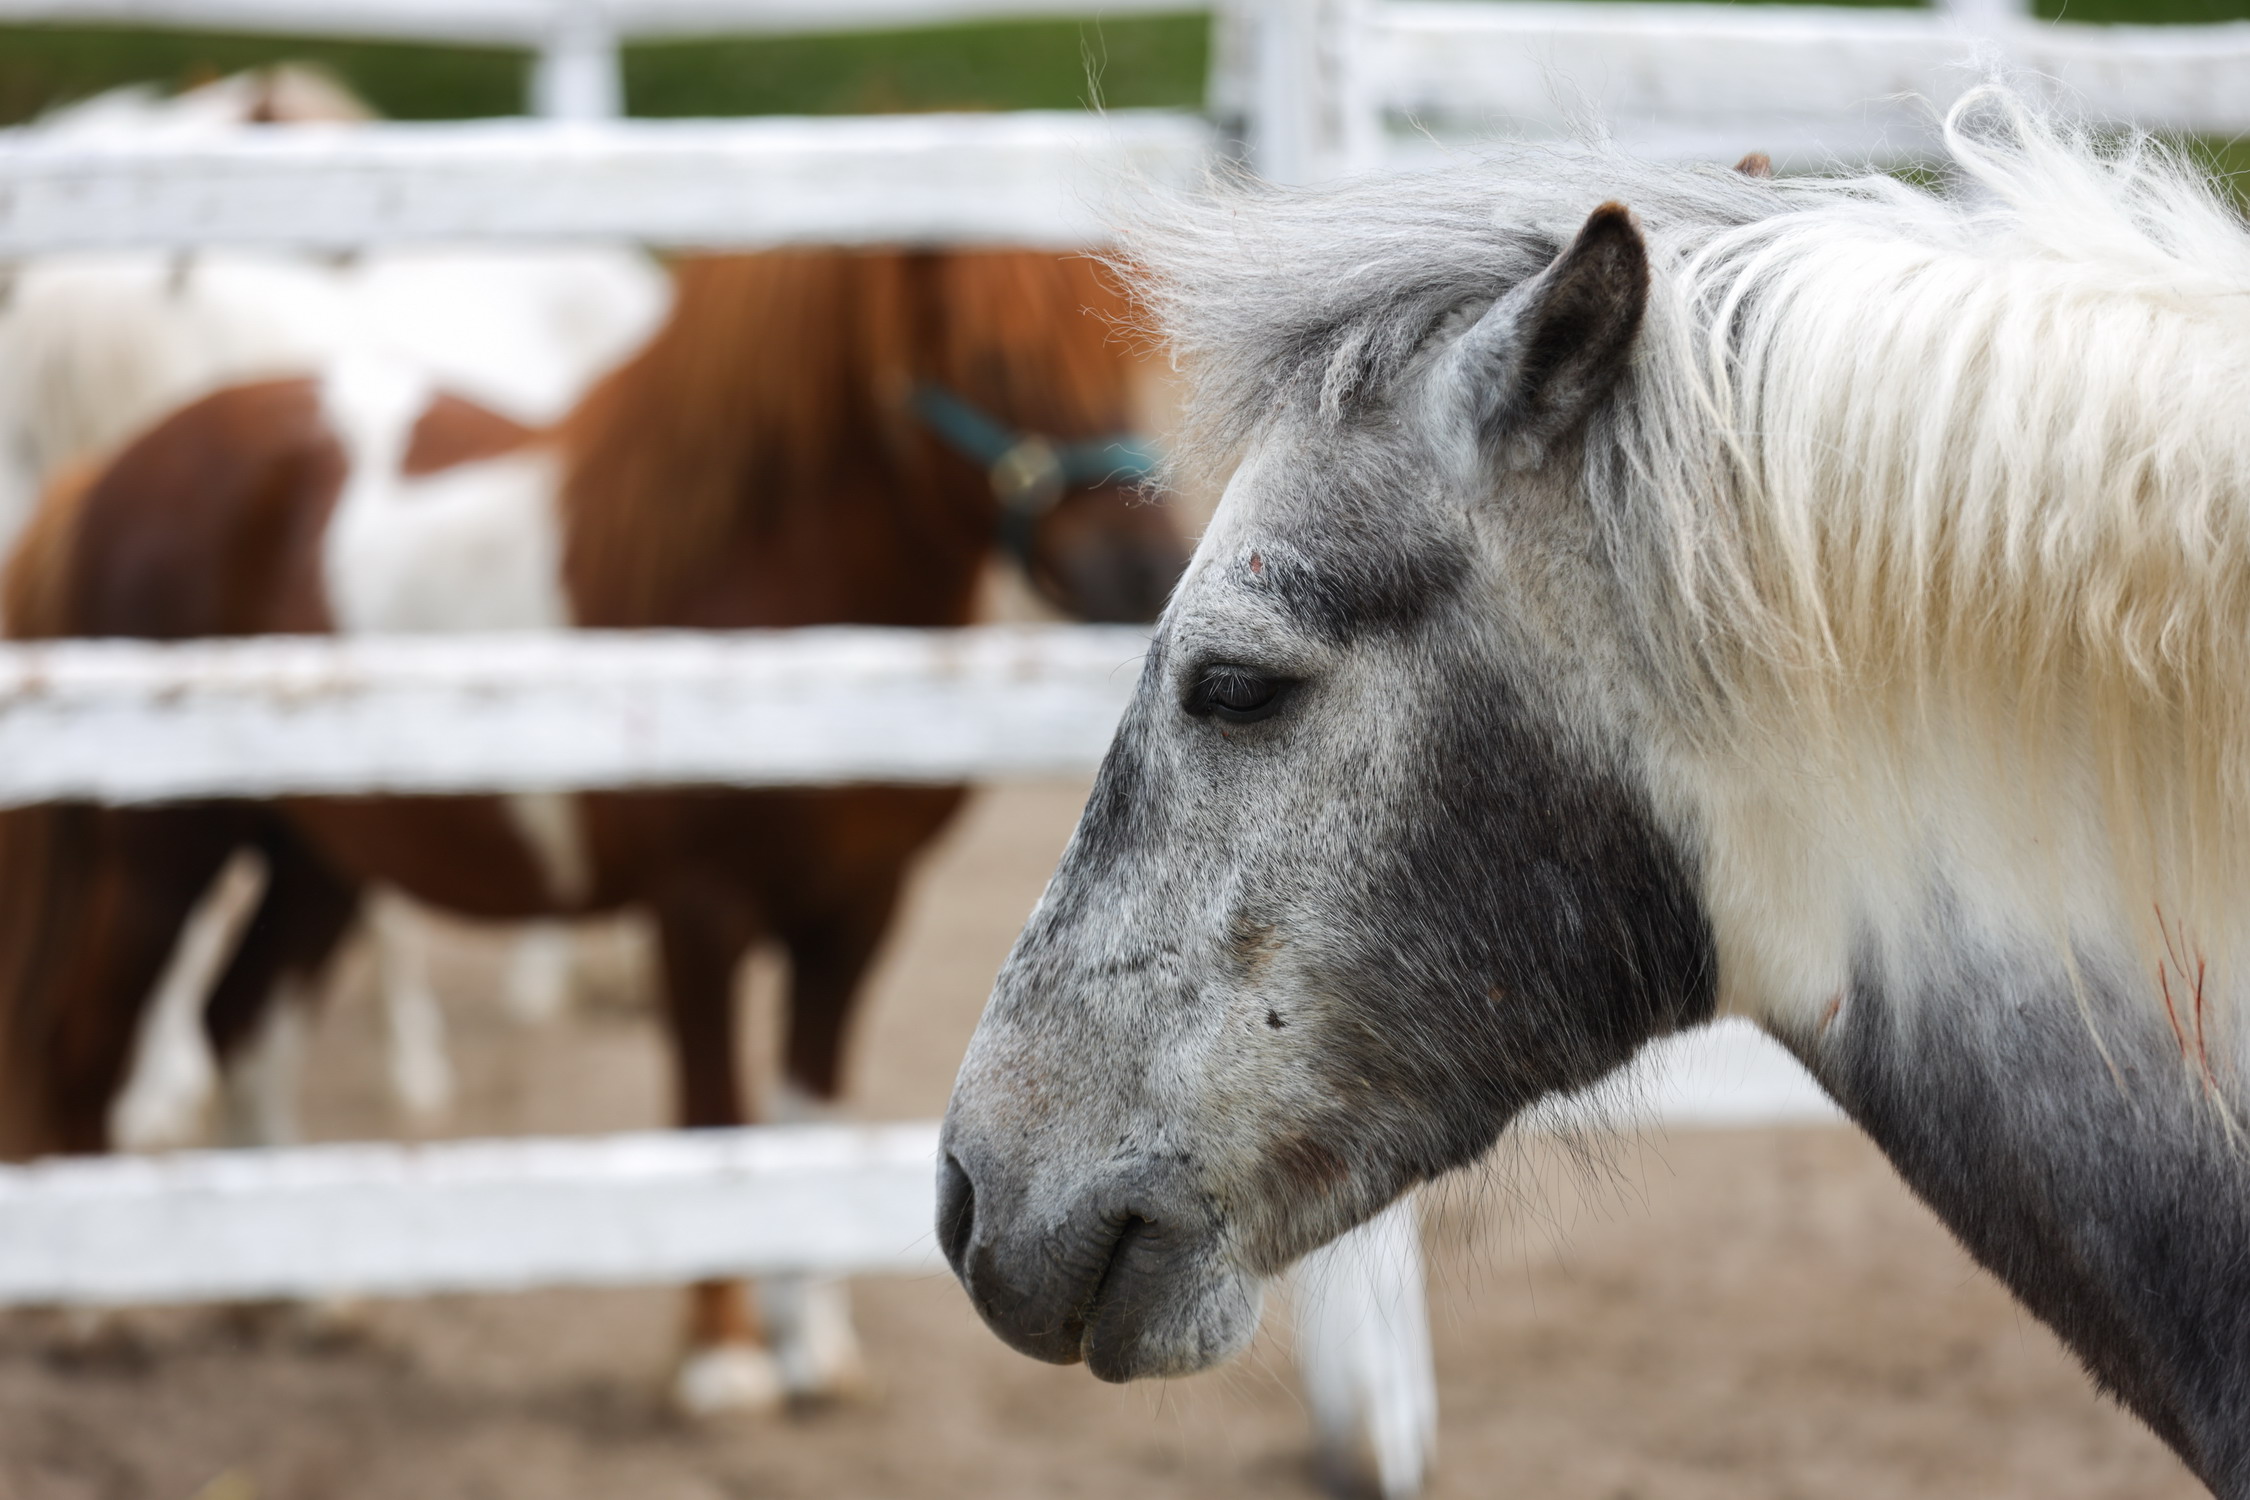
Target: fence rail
[(1809, 84), (123, 721), (495, 1215), (1027, 178), (530, 23)]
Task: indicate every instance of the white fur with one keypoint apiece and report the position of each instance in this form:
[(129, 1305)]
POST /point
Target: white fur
[(169, 1087), (729, 1380), (421, 1067), (521, 331), (475, 547), (550, 827), (815, 1347), (258, 1104), (1975, 573), (542, 973)]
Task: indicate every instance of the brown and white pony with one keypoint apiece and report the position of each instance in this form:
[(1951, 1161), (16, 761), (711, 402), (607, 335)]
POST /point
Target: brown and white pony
[(97, 346), (767, 460)]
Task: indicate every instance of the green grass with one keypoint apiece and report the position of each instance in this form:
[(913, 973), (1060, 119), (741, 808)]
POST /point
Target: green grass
[(42, 66), (2144, 12), (1141, 61), (2228, 161)]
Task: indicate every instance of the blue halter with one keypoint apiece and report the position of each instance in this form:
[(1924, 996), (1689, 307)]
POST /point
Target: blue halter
[(1029, 471)]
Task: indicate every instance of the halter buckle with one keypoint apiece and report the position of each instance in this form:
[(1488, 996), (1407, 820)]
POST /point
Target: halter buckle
[(1029, 477)]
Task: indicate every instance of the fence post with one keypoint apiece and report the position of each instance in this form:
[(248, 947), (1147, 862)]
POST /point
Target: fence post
[(1363, 1351), (1982, 15), (1298, 71), (578, 74)]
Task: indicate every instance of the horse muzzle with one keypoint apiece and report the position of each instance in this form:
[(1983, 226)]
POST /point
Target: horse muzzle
[(1128, 1275)]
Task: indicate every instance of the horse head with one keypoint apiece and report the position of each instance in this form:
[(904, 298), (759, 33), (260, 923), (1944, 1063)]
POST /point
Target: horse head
[(1025, 376), (1358, 880), (1824, 592)]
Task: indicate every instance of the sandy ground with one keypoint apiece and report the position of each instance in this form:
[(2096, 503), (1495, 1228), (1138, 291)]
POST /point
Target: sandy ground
[(1751, 1315)]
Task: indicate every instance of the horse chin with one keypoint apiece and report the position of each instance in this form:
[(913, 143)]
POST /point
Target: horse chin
[(1157, 1321)]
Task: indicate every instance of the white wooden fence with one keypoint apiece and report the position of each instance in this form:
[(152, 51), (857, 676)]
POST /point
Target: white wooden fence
[(497, 1215), (1807, 85), (119, 721), (1324, 87), (1016, 179)]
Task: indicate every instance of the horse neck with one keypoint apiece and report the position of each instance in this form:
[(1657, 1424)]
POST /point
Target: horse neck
[(760, 463)]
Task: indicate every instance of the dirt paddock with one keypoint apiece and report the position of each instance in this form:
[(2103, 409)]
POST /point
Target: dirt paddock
[(1750, 1315)]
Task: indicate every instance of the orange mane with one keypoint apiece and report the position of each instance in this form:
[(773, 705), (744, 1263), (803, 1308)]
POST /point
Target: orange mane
[(781, 387)]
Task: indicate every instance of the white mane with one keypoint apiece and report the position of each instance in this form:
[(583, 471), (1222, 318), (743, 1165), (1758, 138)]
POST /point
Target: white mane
[(1932, 499)]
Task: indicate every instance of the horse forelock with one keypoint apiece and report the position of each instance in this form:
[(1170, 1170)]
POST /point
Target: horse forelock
[(784, 379), (1937, 495)]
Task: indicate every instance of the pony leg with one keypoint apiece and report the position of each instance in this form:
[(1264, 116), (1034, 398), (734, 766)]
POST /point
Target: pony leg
[(256, 1020), (259, 1022), (421, 1068), (811, 1316), (111, 890), (169, 1089), (702, 933), (542, 972), (262, 1081)]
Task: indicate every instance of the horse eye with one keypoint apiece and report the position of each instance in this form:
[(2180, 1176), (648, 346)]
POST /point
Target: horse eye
[(1237, 694)]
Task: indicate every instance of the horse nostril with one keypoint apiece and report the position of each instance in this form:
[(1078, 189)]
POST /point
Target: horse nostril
[(956, 1212)]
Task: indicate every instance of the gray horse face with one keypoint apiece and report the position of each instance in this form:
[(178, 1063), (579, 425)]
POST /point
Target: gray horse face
[(1362, 876)]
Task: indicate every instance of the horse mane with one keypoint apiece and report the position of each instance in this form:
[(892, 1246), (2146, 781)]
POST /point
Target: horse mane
[(1894, 462), (784, 378), (36, 584)]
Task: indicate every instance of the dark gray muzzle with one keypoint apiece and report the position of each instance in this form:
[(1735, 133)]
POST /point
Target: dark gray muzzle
[(1107, 1275)]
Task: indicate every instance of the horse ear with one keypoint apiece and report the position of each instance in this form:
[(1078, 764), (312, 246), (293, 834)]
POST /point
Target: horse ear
[(1547, 353)]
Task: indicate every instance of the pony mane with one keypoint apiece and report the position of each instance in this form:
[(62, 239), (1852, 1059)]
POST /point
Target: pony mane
[(1893, 463), (36, 583), (784, 378)]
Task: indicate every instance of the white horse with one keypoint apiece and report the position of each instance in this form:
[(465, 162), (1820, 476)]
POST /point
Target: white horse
[(1642, 594), (94, 348)]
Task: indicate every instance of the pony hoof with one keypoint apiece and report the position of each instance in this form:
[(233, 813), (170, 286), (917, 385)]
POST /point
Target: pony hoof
[(729, 1380), (814, 1342), (335, 1324), (827, 1375)]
